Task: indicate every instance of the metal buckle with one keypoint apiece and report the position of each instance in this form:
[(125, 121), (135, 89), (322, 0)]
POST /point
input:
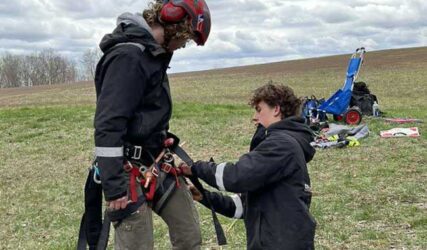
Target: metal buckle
[(155, 172), (166, 167), (138, 179), (127, 167), (137, 152), (142, 169), (168, 157)]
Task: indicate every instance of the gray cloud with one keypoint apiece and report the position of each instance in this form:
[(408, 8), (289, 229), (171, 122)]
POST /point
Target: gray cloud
[(89, 9), (243, 32)]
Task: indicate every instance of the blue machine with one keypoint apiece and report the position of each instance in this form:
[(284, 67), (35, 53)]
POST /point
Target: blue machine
[(338, 103)]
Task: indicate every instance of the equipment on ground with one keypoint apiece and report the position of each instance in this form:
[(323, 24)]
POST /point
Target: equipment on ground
[(339, 103)]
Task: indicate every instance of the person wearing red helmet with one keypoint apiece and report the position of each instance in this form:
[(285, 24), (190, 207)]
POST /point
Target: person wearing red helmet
[(131, 122)]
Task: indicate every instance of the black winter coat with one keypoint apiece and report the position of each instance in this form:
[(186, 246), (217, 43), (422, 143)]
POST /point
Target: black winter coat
[(133, 99), (275, 187)]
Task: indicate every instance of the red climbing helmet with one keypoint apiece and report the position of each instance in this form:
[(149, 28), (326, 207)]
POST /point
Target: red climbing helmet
[(174, 11)]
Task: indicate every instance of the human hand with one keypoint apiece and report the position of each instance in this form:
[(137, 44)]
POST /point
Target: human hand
[(186, 170), (197, 195), (119, 203)]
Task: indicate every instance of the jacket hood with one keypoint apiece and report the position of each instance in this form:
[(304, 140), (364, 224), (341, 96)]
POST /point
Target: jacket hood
[(296, 127), (131, 28), (258, 137)]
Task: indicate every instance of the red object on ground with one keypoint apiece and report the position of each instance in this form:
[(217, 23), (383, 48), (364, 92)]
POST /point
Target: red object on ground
[(400, 132), (353, 117), (402, 120)]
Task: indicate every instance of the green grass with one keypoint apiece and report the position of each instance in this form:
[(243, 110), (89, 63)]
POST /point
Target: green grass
[(363, 197), (45, 154), (369, 197)]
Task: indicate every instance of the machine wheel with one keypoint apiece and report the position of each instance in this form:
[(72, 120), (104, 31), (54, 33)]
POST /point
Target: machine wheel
[(353, 117), (338, 118)]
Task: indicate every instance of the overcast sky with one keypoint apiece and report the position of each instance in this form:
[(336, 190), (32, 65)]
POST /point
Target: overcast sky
[(243, 31)]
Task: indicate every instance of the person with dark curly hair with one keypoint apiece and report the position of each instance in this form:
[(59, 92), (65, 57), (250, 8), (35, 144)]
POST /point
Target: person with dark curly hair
[(133, 109), (271, 182)]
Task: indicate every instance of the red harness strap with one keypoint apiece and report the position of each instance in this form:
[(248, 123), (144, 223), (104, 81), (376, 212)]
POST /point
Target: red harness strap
[(134, 177), (132, 183), (169, 169), (151, 189)]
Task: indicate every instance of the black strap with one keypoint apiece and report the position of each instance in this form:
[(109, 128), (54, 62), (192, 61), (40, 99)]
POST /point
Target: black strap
[(105, 233), (218, 228), (93, 231), (81, 243)]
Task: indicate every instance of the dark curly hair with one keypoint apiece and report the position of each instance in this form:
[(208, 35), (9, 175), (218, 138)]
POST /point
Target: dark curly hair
[(277, 94)]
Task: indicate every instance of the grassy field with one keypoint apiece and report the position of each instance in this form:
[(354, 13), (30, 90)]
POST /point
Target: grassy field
[(368, 197)]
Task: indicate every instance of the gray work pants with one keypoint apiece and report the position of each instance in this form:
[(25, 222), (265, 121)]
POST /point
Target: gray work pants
[(180, 214)]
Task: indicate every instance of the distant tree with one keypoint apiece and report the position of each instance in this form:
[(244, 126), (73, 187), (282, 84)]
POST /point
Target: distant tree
[(70, 72), (89, 60), (45, 67), (35, 70), (10, 76), (25, 71)]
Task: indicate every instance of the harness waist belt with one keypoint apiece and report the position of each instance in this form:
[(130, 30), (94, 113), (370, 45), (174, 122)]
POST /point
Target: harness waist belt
[(141, 153)]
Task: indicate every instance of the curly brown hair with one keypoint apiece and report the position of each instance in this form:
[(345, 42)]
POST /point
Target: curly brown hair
[(172, 30), (277, 94)]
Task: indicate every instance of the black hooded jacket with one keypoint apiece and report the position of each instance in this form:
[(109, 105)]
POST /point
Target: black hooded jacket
[(133, 98), (274, 184)]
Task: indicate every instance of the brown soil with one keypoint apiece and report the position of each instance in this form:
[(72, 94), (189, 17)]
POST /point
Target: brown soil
[(42, 88), (376, 59), (384, 58)]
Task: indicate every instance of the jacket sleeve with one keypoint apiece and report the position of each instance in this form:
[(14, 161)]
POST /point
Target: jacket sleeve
[(272, 160), (121, 92), (230, 206)]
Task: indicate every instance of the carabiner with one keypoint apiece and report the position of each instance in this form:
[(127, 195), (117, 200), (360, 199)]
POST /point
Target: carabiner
[(168, 157), (142, 169), (96, 176)]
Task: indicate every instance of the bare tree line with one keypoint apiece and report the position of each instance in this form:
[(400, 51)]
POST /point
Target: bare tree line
[(45, 68), (88, 62)]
